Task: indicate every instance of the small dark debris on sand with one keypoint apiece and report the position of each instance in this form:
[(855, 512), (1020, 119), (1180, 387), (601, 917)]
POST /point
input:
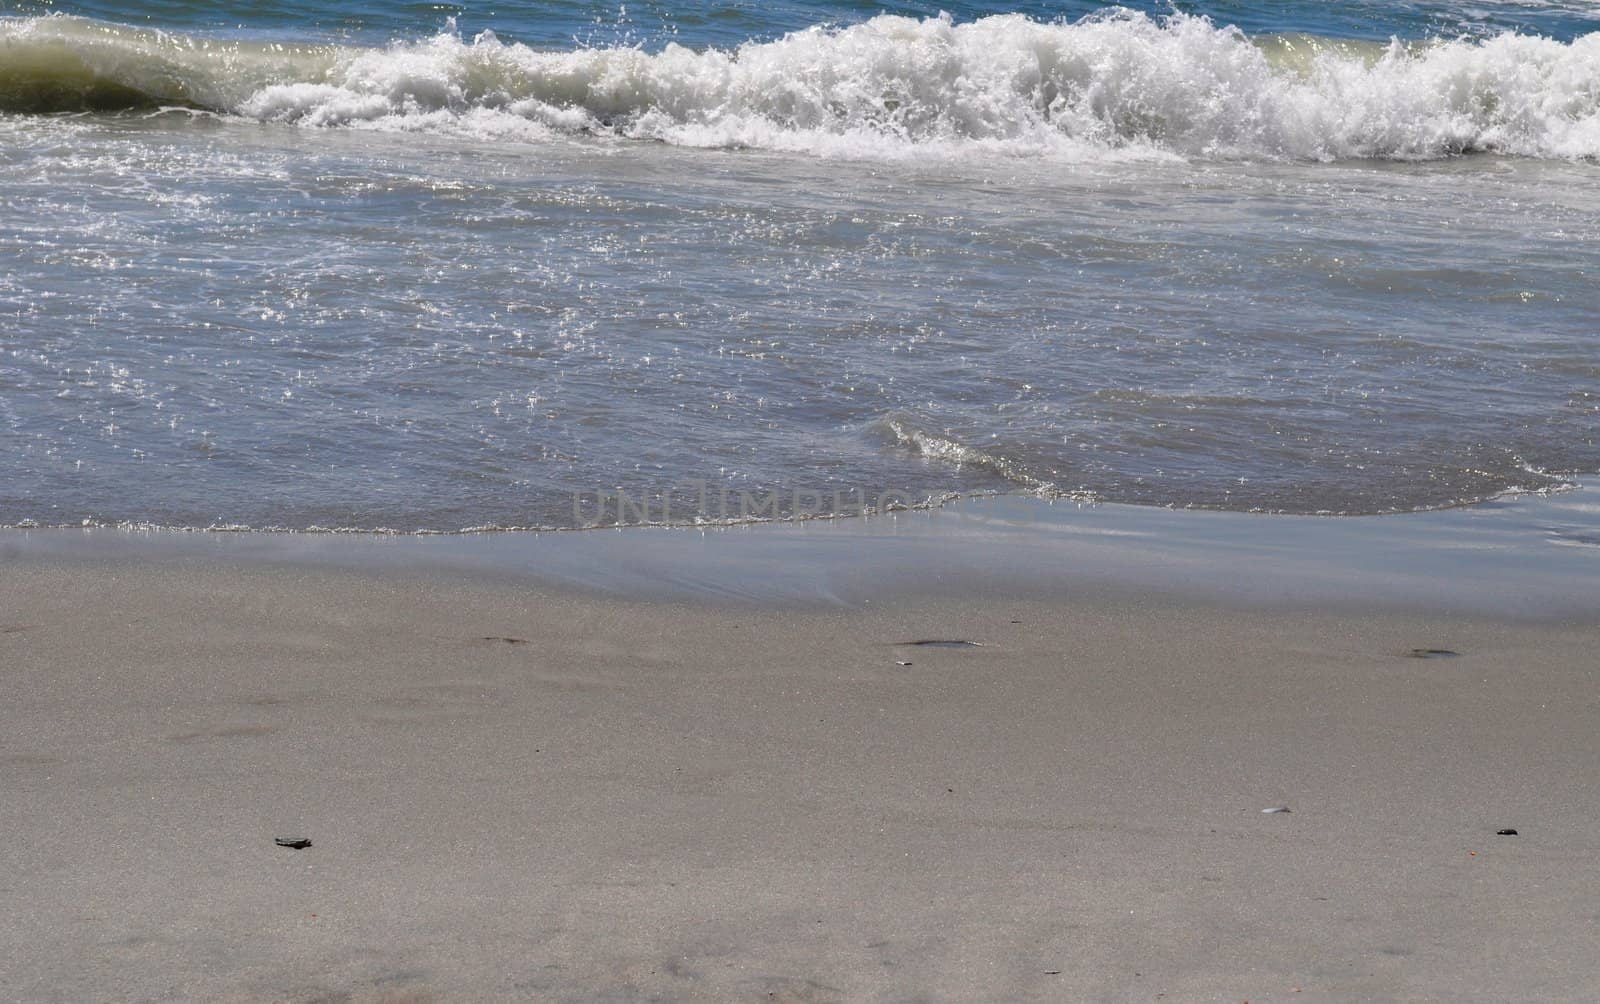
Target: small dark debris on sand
[(942, 643), (1431, 653), (505, 639), (901, 662), (293, 843), (1507, 832), (1275, 810)]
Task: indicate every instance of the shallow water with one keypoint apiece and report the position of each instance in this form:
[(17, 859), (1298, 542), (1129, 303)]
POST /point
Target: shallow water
[(1525, 558), (297, 268)]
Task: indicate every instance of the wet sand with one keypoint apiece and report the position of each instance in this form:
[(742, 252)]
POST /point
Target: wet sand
[(516, 792)]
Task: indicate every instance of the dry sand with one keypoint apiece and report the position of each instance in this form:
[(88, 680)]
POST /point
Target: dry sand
[(515, 794)]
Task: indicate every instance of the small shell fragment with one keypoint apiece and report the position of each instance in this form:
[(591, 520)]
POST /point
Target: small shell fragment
[(1275, 809)]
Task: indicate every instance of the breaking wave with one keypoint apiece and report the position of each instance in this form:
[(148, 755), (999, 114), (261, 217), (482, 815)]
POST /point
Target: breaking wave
[(1118, 83)]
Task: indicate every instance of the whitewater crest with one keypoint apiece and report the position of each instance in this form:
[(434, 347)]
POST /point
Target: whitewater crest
[(1115, 84)]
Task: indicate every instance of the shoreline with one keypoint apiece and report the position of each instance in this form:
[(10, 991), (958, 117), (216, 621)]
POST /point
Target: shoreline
[(1527, 557)]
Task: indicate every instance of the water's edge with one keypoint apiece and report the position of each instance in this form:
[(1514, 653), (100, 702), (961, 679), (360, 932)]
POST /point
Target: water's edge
[(1519, 558)]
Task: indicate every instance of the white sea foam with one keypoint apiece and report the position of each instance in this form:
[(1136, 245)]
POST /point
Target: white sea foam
[(1119, 84)]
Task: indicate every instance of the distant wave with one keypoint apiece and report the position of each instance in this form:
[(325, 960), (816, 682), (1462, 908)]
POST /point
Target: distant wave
[(1118, 84)]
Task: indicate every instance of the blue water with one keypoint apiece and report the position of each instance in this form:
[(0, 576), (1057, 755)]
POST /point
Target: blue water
[(424, 266), (653, 24)]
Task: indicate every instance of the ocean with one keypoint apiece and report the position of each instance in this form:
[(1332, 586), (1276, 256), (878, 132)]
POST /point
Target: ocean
[(433, 267)]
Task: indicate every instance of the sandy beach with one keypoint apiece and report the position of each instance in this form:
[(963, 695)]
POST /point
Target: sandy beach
[(514, 792)]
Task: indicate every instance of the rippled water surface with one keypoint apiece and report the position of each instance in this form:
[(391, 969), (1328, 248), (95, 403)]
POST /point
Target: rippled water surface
[(364, 267)]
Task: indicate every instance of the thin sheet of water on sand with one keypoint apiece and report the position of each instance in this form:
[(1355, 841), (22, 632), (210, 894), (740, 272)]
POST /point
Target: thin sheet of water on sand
[(1527, 557)]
